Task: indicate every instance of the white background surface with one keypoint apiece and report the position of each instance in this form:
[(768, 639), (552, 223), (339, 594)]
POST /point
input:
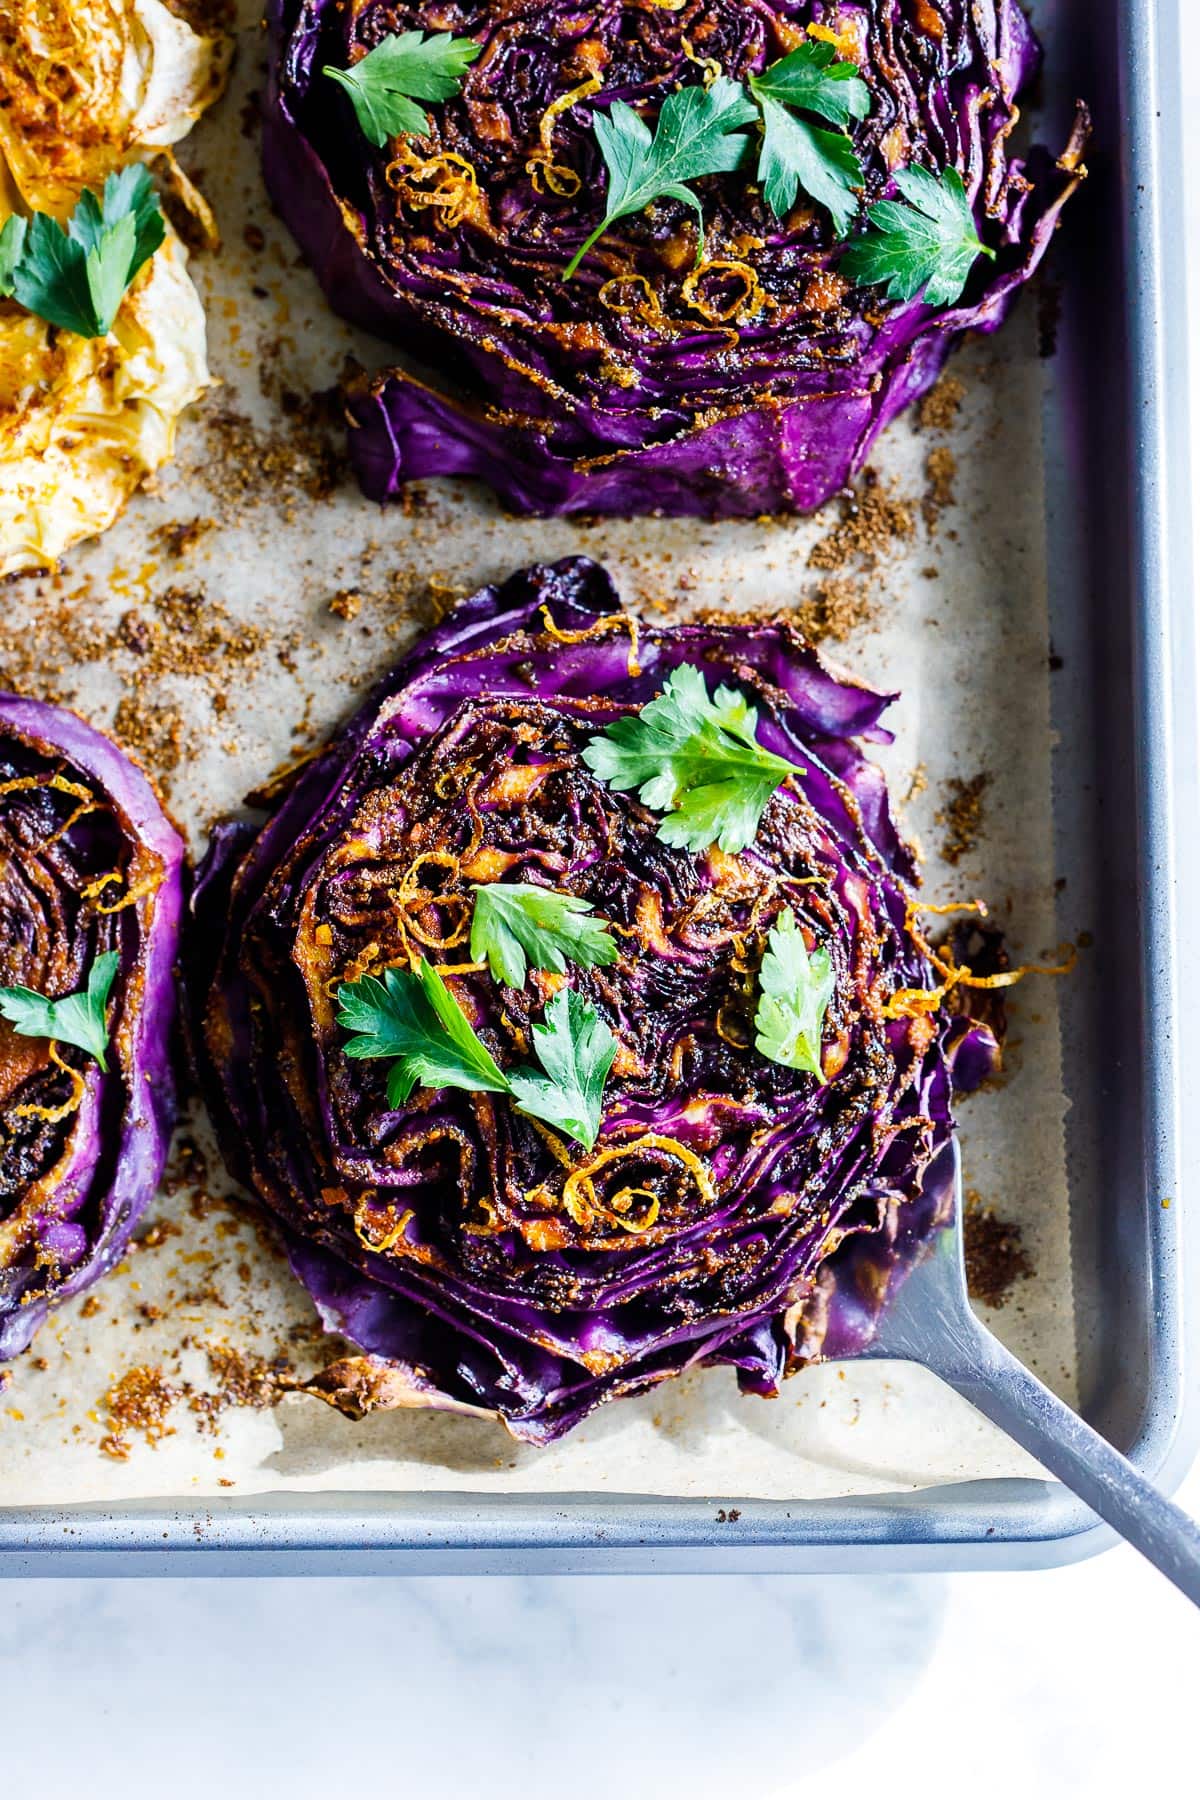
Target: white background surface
[(1083, 1680)]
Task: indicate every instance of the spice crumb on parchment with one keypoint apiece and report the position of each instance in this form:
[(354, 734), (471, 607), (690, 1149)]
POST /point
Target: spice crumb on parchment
[(962, 814), (941, 467), (178, 538), (873, 520), (995, 1256), (938, 410), (138, 1403), (849, 596)]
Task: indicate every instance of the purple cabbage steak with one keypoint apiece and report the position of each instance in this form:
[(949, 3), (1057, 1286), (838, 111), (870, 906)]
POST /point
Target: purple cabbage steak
[(733, 1208), (753, 381), (90, 897)]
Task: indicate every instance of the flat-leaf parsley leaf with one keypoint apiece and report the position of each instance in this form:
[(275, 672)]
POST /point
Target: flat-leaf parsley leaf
[(412, 1017), (401, 69), (928, 244), (795, 153), (696, 134), (77, 1019), (695, 759), (516, 921), (794, 993), (76, 278), (576, 1050)]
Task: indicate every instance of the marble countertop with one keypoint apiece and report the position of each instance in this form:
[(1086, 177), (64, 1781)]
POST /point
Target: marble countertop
[(1081, 1680)]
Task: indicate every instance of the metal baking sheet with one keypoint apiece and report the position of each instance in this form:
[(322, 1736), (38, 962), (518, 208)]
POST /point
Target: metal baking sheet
[(1029, 601)]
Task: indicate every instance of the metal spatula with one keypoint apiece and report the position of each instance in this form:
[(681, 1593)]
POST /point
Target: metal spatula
[(930, 1321)]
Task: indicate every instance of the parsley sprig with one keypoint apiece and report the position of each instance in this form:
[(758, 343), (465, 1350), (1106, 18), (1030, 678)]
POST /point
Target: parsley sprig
[(795, 153), (516, 925), (12, 242), (695, 759), (78, 1019), (576, 1050), (77, 277), (412, 1017), (403, 68), (794, 994), (696, 134), (925, 241)]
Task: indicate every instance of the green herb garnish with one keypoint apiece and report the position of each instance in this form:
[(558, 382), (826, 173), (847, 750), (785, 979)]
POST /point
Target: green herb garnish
[(412, 1017), (401, 69), (695, 759), (794, 992), (12, 240), (576, 1050), (929, 243), (77, 277), (516, 921), (696, 134), (795, 153), (77, 1019)]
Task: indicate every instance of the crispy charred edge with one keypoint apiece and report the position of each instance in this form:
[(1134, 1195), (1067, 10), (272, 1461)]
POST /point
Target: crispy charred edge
[(119, 1124), (356, 1386), (758, 1345)]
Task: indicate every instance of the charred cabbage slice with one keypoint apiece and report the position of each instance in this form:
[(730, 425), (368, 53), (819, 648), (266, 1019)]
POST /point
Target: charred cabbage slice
[(90, 900), (735, 362), (686, 1198)]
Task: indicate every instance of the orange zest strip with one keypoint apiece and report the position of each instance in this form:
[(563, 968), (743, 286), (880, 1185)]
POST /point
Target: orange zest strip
[(609, 622), (541, 165), (53, 1114), (149, 884), (911, 1003)]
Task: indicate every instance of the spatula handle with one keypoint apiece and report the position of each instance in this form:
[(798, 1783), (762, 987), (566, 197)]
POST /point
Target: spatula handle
[(1002, 1388)]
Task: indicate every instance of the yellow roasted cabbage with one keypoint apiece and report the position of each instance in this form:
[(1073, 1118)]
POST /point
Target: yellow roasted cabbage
[(83, 421), (85, 87), (87, 84)]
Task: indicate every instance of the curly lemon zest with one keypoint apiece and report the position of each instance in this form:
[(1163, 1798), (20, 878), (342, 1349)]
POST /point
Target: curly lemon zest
[(59, 782), (410, 893), (911, 1003), (618, 621), (491, 1224), (541, 166), (149, 884), (647, 302), (391, 1237), (579, 1192), (740, 307), (709, 64), (53, 1114), (446, 181)]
